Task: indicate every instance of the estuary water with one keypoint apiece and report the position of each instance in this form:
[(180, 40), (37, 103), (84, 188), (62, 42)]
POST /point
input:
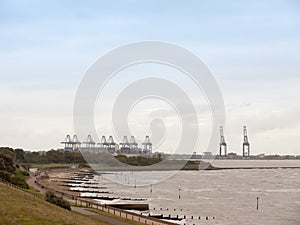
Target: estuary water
[(224, 196)]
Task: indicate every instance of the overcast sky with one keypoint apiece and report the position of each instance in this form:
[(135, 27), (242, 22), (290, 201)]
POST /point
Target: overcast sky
[(251, 47)]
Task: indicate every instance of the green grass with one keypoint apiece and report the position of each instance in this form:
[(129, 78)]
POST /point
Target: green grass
[(19, 178), (42, 166), (18, 207)]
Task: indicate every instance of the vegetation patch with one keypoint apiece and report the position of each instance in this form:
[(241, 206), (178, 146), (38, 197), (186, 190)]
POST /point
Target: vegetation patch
[(52, 198), (10, 171), (138, 160)]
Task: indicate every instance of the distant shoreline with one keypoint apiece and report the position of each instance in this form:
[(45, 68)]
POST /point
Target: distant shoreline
[(194, 166), (250, 168)]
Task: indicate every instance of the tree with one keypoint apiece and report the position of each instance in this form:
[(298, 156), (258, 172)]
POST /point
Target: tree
[(7, 159), (20, 155)]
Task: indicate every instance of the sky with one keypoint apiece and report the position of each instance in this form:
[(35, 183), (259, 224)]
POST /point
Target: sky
[(251, 47)]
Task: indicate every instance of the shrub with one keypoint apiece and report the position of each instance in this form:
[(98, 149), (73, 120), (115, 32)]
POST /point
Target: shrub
[(4, 175), (19, 181), (24, 173), (52, 198), (84, 165)]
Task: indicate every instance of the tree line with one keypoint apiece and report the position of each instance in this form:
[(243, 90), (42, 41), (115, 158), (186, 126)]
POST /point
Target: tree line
[(19, 156), (52, 156)]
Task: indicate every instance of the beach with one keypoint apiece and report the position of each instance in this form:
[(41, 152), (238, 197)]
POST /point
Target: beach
[(205, 197)]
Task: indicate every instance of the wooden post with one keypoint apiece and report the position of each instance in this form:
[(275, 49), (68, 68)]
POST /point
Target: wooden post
[(257, 203)]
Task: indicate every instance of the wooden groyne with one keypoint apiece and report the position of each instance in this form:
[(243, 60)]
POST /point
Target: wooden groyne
[(114, 209), (139, 207)]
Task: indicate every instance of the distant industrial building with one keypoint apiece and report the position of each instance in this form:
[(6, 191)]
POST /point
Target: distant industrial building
[(223, 145), (246, 144), (108, 145)]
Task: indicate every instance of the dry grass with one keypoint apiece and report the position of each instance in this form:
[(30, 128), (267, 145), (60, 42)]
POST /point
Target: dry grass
[(18, 207)]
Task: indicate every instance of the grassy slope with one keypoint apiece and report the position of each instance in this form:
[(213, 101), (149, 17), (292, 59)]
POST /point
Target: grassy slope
[(18, 207)]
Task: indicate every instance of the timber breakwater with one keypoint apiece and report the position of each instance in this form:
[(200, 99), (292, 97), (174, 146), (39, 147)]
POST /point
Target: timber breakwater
[(128, 208)]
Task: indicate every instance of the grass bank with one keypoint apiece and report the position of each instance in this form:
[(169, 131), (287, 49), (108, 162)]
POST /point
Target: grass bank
[(18, 207)]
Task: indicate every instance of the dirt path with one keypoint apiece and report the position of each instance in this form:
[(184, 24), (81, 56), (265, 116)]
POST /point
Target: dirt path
[(31, 182), (98, 216)]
